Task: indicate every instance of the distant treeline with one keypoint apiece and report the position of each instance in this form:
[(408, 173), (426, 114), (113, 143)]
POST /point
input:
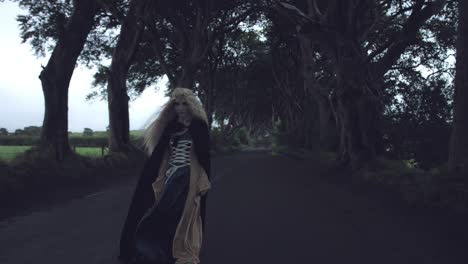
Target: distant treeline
[(79, 141), (36, 131), (96, 139), (26, 131)]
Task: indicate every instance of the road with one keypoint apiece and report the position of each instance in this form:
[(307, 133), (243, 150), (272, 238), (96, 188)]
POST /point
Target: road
[(262, 209)]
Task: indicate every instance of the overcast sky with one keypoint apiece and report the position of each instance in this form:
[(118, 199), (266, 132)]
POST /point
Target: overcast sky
[(21, 97)]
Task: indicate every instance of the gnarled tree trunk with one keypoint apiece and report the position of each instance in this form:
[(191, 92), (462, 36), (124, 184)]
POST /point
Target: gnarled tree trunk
[(358, 108), (458, 160), (55, 78), (187, 77), (327, 126), (326, 123), (132, 28)]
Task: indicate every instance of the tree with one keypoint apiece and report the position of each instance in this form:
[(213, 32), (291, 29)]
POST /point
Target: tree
[(122, 58), (32, 130), (317, 81), (343, 30), (175, 40), (303, 79), (183, 32), (87, 132), (55, 77), (241, 82), (3, 132), (416, 124), (65, 28), (70, 28), (19, 132), (458, 158)]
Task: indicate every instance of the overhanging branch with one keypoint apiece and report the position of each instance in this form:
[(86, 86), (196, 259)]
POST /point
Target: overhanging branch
[(407, 34)]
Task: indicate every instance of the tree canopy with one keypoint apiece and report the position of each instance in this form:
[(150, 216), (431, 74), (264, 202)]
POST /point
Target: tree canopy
[(361, 77)]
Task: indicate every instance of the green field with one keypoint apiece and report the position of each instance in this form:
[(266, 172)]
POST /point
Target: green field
[(134, 133), (9, 152), (90, 151)]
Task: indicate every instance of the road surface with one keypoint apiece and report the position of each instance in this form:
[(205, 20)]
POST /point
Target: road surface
[(262, 209)]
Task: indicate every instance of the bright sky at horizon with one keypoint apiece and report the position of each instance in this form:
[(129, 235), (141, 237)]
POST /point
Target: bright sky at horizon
[(22, 101)]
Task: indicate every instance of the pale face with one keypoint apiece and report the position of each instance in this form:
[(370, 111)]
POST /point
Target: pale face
[(181, 108)]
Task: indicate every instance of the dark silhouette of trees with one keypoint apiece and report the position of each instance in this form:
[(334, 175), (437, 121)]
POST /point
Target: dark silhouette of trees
[(243, 80), (302, 85), (3, 131), (364, 77), (122, 58), (55, 77), (32, 130), (165, 38), (183, 32), (343, 31), (70, 27), (88, 132)]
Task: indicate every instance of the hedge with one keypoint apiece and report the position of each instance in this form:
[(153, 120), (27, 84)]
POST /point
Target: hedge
[(78, 141)]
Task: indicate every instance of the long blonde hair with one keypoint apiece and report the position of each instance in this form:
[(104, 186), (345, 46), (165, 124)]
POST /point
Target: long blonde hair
[(153, 132)]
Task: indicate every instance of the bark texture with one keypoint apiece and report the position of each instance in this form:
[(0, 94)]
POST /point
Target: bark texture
[(358, 109), (55, 78), (326, 124), (458, 159), (127, 44)]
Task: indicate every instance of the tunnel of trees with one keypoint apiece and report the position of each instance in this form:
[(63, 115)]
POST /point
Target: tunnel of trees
[(362, 78)]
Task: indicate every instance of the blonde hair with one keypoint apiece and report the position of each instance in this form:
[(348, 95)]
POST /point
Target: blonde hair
[(153, 132)]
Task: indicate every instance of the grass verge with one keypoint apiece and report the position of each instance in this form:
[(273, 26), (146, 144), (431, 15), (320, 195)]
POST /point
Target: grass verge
[(436, 188), (32, 177)]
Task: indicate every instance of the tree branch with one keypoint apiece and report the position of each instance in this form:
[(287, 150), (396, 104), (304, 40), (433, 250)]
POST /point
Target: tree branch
[(232, 23), (157, 48), (407, 34), (111, 7)]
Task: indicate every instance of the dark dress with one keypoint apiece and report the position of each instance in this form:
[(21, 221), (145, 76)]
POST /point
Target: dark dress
[(149, 230), (155, 231)]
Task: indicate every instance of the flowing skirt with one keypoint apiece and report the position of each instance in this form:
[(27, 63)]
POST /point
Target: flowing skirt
[(155, 231)]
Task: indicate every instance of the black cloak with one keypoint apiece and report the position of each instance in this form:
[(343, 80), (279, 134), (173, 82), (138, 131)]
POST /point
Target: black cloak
[(143, 196)]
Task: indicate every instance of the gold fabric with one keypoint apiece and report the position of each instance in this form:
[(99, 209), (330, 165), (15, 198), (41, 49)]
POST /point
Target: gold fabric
[(187, 241)]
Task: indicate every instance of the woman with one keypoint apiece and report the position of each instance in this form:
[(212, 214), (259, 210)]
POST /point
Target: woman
[(166, 216)]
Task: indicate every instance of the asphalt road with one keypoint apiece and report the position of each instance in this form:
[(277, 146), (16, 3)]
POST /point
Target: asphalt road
[(262, 209)]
